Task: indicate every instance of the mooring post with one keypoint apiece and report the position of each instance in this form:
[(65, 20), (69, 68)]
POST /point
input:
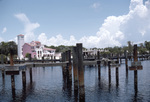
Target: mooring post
[(24, 79), (75, 72), (135, 71), (12, 82), (30, 75), (70, 66), (63, 67), (80, 73), (54, 59), (117, 76), (120, 58), (126, 62), (99, 65), (43, 59), (13, 86), (3, 75), (109, 73), (64, 70), (51, 58)]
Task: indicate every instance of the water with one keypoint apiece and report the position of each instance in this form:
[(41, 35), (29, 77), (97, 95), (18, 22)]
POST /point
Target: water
[(48, 86)]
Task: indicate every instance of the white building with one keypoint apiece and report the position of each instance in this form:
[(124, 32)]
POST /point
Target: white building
[(35, 48), (20, 45)]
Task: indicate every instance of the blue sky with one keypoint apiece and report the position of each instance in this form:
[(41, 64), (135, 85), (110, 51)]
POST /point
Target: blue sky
[(55, 22)]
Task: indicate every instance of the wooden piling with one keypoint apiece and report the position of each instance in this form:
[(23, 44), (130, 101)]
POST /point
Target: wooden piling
[(99, 65), (54, 59), (120, 58), (51, 59), (75, 72), (13, 86), (117, 76), (43, 59), (75, 65), (109, 73), (126, 62), (3, 75), (63, 67), (24, 79), (30, 75), (80, 73), (70, 66), (135, 72), (135, 80)]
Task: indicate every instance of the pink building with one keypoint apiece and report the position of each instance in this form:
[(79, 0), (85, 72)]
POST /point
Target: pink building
[(37, 50)]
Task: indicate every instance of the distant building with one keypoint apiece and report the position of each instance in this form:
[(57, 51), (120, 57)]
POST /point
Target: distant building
[(35, 48), (20, 44)]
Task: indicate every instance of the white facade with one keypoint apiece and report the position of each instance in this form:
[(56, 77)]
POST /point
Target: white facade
[(46, 52), (20, 44)]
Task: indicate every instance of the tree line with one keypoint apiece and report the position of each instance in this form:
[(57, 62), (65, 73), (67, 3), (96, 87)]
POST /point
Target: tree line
[(9, 49)]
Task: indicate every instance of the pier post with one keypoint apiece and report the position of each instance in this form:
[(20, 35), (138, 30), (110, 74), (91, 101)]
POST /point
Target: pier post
[(30, 75), (80, 73), (43, 59), (126, 62), (120, 58), (51, 59), (3, 75), (64, 72), (54, 59), (135, 71), (70, 66), (13, 86), (109, 73), (75, 72), (24, 79), (99, 65), (117, 76)]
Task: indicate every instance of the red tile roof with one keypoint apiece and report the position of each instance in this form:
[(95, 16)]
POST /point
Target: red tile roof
[(49, 49), (21, 35)]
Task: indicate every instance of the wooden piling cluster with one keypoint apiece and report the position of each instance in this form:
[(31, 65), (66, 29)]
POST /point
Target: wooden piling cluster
[(78, 71)]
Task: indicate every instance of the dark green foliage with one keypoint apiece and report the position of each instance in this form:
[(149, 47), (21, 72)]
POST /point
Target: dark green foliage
[(7, 48)]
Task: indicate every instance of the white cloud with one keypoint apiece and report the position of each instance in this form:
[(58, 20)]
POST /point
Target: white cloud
[(28, 27), (57, 40), (4, 30), (115, 31), (95, 5)]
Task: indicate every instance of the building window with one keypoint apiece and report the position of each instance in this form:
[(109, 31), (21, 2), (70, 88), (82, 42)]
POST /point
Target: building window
[(32, 47)]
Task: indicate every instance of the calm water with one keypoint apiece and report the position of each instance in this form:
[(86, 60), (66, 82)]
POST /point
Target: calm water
[(48, 86)]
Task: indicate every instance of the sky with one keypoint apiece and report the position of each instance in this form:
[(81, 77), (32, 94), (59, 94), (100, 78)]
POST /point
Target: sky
[(95, 23)]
